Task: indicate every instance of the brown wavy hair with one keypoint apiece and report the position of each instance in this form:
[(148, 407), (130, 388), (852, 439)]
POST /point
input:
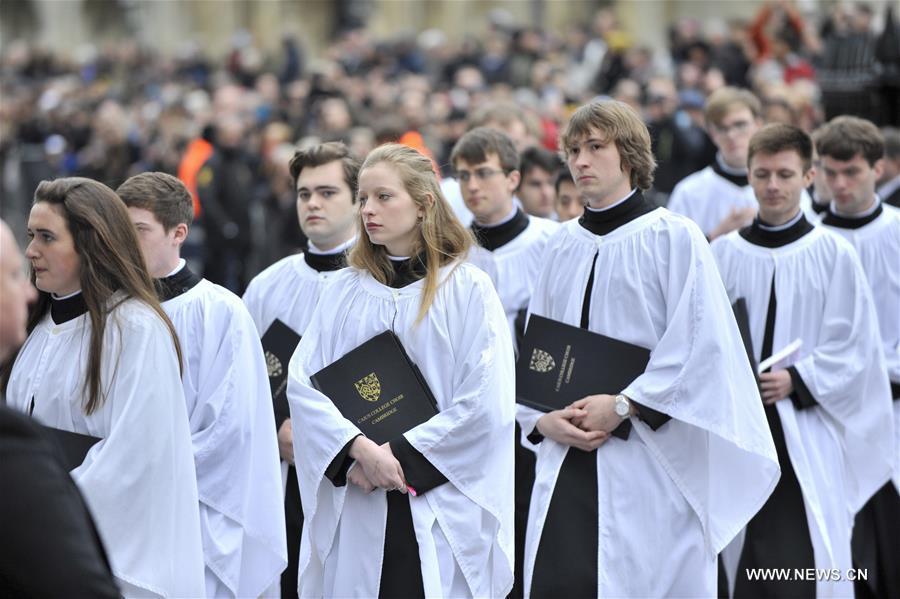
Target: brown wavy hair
[(619, 123), (442, 238), (111, 261)]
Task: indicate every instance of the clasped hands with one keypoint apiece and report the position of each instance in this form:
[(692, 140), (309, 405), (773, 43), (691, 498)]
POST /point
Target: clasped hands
[(585, 424), (375, 467)]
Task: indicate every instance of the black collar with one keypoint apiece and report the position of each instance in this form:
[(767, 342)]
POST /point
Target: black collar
[(64, 310), (606, 221), (491, 238), (848, 222), (757, 235), (739, 180), (181, 282), (817, 207), (325, 262), (407, 271)]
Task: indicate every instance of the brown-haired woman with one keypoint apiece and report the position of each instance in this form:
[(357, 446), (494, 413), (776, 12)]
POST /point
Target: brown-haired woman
[(102, 359), (451, 534)]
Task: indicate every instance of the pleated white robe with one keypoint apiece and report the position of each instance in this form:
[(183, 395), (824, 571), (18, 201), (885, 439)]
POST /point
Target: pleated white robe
[(669, 499), (464, 527), (518, 264), (139, 480), (289, 291), (226, 388), (842, 449), (878, 246)]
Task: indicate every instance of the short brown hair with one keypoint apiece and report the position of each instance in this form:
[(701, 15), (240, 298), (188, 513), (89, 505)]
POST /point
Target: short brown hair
[(844, 137), (162, 194), (619, 123), (778, 137), (725, 98), (322, 154), (474, 147)]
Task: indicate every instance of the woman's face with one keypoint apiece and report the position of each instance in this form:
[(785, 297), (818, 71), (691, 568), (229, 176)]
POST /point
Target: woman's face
[(51, 251), (390, 215)]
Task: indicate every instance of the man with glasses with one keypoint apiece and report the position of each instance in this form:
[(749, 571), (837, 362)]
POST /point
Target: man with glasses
[(719, 198), (487, 167), (486, 164)]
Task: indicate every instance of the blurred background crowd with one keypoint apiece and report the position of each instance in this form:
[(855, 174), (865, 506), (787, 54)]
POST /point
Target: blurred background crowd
[(228, 122)]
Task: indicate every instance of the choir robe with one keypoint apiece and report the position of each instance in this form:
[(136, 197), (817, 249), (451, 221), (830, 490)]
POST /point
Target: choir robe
[(838, 429), (709, 195), (289, 291), (665, 500), (518, 250), (226, 389), (464, 527), (876, 535), (139, 480)]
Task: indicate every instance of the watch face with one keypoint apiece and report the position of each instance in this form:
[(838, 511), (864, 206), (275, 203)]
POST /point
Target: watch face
[(622, 408)]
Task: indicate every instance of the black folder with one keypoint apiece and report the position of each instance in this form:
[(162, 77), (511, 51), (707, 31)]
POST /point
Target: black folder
[(279, 343), (742, 317), (73, 446), (378, 388), (559, 364)]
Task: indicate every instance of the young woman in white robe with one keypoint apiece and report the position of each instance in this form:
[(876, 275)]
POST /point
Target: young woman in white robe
[(371, 538), (102, 359)]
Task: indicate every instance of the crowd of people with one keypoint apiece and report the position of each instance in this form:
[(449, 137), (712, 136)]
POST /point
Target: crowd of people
[(120, 109), (729, 212)]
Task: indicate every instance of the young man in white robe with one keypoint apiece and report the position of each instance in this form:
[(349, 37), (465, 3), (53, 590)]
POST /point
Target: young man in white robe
[(827, 402), (486, 164), (227, 397), (719, 197), (638, 488), (850, 151), (428, 513), (325, 177)]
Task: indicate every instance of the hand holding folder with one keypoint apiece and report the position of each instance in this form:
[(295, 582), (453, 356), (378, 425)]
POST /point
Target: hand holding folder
[(559, 364), (378, 388)]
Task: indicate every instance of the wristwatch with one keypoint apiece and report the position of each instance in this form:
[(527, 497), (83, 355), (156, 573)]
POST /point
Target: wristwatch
[(623, 407)]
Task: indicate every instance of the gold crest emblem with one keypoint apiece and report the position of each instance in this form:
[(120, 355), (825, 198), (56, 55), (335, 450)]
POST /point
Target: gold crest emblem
[(541, 361), (369, 387), (273, 365)]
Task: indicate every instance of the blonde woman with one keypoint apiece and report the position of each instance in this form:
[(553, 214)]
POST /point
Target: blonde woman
[(408, 274)]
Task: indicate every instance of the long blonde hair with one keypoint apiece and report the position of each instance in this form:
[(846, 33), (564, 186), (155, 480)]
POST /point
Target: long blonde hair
[(442, 238)]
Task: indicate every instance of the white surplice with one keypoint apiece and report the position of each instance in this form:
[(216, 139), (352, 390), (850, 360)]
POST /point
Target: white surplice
[(226, 387), (289, 291), (707, 198), (878, 246), (669, 499), (139, 480), (840, 449), (518, 264), (464, 527)]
